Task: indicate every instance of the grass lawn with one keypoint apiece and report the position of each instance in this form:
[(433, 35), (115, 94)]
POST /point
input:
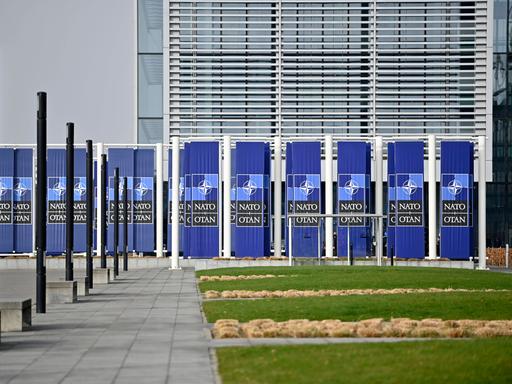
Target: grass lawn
[(317, 277), (443, 361), (457, 305)]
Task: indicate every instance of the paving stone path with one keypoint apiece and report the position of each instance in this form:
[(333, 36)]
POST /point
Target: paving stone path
[(146, 327)]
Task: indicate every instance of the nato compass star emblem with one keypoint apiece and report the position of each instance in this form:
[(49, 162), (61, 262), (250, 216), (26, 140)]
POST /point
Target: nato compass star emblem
[(351, 187), (3, 189), (181, 188), (204, 187), (307, 187), (455, 187), (250, 187), (59, 189), (141, 189), (20, 189), (80, 188), (409, 187)]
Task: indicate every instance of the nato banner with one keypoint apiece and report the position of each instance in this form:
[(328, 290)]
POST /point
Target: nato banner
[(391, 206), (15, 200), (457, 199), (303, 164), (56, 210), (353, 197), (252, 235), (181, 194), (138, 166), (410, 223), (201, 235)]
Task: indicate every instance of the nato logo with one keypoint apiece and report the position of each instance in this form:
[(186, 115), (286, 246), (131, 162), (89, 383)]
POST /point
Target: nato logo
[(141, 189), (80, 188), (20, 189), (307, 187), (59, 188), (204, 187), (409, 187), (351, 187), (4, 188), (249, 187), (455, 187), (181, 188)]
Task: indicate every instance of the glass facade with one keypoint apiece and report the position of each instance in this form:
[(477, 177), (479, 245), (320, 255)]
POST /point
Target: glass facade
[(499, 199), (149, 71), (345, 67)]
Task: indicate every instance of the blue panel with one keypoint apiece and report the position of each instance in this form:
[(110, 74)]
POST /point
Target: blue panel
[(303, 195), (202, 199), (391, 206), (410, 222), (23, 194), (252, 199), (143, 201), (353, 196), (6, 200), (124, 159), (456, 211), (56, 214)]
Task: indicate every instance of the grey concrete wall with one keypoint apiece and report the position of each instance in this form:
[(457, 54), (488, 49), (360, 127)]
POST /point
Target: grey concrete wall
[(83, 53)]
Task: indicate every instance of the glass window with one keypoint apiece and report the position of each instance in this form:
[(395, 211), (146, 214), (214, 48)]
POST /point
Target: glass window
[(150, 86), (150, 131), (150, 21)]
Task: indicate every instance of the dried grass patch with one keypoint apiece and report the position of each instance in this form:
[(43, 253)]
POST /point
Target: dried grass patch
[(244, 294), (400, 327), (238, 277)]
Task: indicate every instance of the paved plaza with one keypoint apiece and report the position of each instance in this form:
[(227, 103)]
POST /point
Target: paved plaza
[(145, 327)]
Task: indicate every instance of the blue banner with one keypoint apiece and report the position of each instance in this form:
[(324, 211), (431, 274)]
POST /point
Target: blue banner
[(354, 197), (56, 210), (252, 236), (181, 216), (6, 200), (201, 234), (23, 194), (410, 222), (456, 200), (303, 195), (391, 206), (138, 166)]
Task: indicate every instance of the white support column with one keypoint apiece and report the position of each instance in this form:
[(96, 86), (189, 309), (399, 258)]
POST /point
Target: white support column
[(379, 197), (175, 212), (277, 196), (159, 200), (329, 235), (432, 198), (482, 229), (226, 203), (99, 212)]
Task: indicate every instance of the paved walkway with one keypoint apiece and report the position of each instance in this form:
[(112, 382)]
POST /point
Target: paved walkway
[(146, 327)]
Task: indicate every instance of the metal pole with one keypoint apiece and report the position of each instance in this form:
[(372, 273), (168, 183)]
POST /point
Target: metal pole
[(41, 187), (329, 235), (70, 189), (125, 223), (349, 256), (482, 230), (379, 196), (432, 198), (103, 211), (89, 211), (277, 196), (226, 173), (175, 208), (159, 201), (99, 196), (116, 221), (290, 256)]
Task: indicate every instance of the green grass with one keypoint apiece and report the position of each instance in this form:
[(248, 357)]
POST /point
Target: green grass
[(321, 277), (428, 362), (459, 305)]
